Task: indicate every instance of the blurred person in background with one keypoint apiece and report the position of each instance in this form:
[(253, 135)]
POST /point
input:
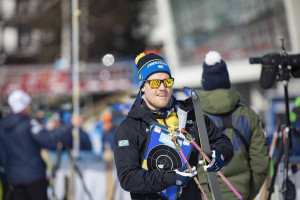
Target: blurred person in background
[(22, 139), (108, 129), (158, 105), (250, 164), (295, 121), (55, 121), (1, 165), (40, 116), (107, 149), (3, 179)]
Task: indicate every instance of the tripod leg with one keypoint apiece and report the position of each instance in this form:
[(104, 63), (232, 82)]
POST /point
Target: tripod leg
[(286, 160), (278, 158)]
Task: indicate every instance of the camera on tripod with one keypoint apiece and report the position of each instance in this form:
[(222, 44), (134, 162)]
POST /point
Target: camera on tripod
[(277, 65), (281, 66)]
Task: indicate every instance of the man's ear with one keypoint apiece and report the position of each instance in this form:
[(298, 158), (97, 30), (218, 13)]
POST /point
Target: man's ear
[(143, 88)]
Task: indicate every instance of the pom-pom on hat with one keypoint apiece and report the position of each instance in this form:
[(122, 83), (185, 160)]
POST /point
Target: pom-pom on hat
[(148, 64), (18, 100), (215, 74)]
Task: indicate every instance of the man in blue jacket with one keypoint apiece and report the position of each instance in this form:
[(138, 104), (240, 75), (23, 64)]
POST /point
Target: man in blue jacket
[(21, 140), (158, 105)]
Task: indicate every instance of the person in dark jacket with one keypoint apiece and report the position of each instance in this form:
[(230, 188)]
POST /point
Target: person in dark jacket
[(21, 140), (55, 122), (158, 105), (250, 164)]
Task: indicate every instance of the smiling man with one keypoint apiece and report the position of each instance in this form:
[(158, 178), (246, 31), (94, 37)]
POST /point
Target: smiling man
[(157, 105)]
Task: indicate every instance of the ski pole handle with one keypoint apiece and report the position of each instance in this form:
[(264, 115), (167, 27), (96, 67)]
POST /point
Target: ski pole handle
[(189, 137), (177, 145)]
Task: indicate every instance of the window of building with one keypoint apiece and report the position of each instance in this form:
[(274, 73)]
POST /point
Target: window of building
[(237, 29)]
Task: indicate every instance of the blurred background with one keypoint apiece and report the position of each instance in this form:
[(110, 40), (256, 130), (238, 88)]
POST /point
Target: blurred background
[(36, 50)]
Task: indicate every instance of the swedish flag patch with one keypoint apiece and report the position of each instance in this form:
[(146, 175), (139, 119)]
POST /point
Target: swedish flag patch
[(123, 143)]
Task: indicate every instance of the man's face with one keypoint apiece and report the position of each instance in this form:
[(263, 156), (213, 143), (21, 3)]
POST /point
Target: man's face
[(157, 98)]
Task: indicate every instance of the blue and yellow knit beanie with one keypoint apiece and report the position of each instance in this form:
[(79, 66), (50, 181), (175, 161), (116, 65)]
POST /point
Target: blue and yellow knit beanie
[(215, 74), (148, 64)]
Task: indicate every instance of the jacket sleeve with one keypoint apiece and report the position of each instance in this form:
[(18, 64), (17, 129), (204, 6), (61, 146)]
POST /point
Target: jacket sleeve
[(49, 139), (85, 142), (258, 155), (127, 154), (218, 141)]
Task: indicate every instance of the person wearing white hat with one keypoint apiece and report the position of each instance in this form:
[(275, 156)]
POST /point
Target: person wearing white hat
[(22, 138), (18, 100)]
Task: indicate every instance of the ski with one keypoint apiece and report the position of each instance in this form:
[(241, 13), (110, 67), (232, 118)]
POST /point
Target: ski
[(211, 176)]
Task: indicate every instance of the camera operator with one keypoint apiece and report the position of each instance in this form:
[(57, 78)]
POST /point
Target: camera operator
[(21, 140)]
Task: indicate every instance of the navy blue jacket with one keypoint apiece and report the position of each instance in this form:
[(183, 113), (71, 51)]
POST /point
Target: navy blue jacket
[(85, 142), (21, 140)]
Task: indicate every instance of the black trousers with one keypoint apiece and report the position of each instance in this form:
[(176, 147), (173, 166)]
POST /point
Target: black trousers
[(36, 190)]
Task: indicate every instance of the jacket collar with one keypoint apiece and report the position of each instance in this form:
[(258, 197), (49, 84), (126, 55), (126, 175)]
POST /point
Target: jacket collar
[(139, 112)]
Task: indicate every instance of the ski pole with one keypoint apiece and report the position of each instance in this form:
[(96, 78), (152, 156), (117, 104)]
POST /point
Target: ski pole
[(177, 145), (190, 138)]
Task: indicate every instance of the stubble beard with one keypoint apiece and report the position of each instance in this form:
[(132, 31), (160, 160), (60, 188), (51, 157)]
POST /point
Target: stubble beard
[(159, 104)]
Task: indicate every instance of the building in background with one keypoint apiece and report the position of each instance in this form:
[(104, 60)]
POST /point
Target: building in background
[(32, 31), (35, 48), (238, 30), (35, 31)]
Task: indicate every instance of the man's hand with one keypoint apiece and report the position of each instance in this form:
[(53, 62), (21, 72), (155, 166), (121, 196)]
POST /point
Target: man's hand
[(216, 164), (183, 175)]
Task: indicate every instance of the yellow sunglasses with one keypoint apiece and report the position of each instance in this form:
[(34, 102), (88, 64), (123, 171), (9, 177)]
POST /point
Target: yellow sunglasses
[(155, 83)]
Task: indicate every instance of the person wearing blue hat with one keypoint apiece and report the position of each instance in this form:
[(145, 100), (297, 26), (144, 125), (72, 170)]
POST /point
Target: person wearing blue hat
[(249, 166), (157, 105)]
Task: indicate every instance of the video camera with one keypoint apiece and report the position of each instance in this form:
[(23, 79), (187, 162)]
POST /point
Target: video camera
[(277, 65)]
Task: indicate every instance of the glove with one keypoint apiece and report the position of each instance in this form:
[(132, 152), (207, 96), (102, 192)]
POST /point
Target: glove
[(216, 164), (183, 175)]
